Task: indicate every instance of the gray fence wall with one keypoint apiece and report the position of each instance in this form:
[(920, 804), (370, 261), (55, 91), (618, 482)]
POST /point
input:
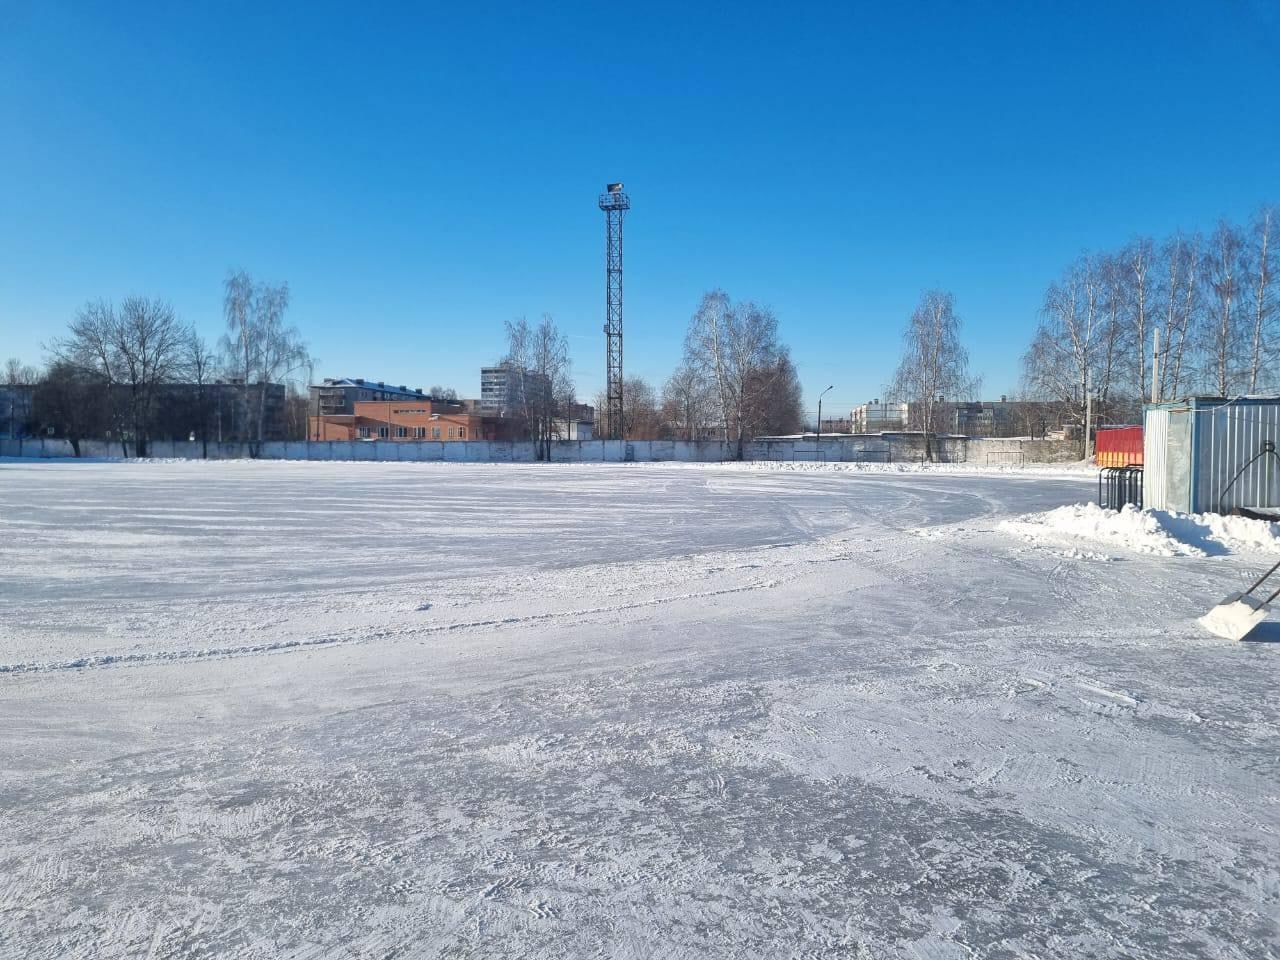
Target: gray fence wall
[(891, 449)]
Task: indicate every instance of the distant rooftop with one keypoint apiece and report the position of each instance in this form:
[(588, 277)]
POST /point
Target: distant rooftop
[(402, 390)]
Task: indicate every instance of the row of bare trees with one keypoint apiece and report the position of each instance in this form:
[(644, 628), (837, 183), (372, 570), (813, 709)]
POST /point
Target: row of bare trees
[(1161, 319), (114, 372), (736, 381)]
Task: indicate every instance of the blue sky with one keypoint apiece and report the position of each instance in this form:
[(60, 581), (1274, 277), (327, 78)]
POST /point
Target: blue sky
[(421, 174)]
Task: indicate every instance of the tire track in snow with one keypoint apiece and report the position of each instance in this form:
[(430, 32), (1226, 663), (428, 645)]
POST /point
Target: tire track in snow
[(214, 653)]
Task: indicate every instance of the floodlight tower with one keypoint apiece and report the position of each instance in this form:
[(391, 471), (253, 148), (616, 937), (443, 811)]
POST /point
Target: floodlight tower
[(614, 203)]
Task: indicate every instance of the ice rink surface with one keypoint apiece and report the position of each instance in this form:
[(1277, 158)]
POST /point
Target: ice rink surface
[(381, 710)]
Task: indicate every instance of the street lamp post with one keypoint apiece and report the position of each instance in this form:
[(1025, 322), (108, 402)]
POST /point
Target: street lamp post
[(820, 396)]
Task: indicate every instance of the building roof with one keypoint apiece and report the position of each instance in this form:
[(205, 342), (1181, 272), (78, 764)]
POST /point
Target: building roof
[(401, 390)]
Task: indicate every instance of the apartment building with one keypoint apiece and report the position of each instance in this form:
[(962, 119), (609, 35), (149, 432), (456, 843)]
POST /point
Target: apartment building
[(507, 391)]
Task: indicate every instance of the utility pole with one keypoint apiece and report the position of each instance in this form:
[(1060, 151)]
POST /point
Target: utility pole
[(820, 396), (614, 203), (1088, 422), (1155, 365)]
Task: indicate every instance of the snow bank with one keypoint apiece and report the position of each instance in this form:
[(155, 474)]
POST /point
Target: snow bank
[(1157, 532), (1241, 533), (1071, 471)]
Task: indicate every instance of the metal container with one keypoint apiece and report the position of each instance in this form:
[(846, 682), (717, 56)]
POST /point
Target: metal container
[(1212, 455), (1118, 447)]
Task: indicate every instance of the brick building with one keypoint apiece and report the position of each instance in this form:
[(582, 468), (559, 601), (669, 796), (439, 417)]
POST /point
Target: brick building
[(407, 418), (338, 396)]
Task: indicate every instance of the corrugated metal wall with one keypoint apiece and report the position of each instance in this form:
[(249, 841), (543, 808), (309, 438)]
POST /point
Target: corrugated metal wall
[(1227, 437), (1155, 458)]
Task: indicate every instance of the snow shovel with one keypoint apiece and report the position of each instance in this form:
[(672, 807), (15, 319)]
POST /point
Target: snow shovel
[(1237, 615)]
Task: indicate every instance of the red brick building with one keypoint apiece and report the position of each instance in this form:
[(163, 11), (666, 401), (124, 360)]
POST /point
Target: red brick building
[(422, 418)]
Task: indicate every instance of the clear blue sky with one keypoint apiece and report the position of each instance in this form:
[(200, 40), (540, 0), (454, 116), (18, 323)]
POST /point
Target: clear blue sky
[(419, 176)]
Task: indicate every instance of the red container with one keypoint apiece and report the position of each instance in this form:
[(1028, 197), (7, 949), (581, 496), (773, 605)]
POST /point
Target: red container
[(1118, 447)]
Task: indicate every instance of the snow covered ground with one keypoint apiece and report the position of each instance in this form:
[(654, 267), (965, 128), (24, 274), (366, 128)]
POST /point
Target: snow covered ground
[(373, 710)]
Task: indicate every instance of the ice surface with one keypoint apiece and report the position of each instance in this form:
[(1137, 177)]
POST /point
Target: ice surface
[(369, 710)]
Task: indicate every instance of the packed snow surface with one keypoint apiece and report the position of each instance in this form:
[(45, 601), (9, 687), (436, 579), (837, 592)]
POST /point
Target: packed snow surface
[(298, 710)]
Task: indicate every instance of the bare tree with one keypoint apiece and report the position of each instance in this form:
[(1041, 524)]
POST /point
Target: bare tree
[(1213, 302), (1074, 354), (773, 401), (67, 402), (17, 373), (934, 364), (241, 344), (734, 350), (1179, 294), (539, 358), (1120, 360), (443, 393), (686, 403), (706, 351), (641, 419), (1261, 266), (1136, 273), (1222, 343), (132, 350), (20, 379), (200, 362), (259, 349)]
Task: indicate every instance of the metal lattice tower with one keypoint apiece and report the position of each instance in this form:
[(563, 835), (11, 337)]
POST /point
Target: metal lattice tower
[(614, 203)]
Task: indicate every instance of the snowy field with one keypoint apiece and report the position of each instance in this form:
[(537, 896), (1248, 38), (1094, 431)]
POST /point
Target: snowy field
[(375, 710)]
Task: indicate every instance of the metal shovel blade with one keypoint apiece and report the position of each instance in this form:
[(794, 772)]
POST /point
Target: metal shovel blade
[(1235, 617)]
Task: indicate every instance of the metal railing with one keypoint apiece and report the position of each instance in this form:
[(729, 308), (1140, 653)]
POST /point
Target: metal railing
[(1118, 486)]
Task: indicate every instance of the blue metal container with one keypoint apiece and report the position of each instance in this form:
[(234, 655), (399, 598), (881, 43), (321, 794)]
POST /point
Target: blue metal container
[(1212, 455)]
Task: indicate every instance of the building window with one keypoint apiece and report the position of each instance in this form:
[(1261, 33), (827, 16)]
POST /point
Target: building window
[(451, 433), (435, 433), (419, 433), (382, 433), (362, 432), (462, 433), (401, 432)]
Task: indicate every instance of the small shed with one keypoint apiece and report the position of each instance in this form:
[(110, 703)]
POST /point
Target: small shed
[(1212, 455)]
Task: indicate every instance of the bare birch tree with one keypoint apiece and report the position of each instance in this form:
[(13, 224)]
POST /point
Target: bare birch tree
[(539, 358), (258, 348), (705, 351), (934, 364), (1222, 332), (733, 348), (1260, 276), (1136, 260), (686, 403), (1073, 355), (1179, 294)]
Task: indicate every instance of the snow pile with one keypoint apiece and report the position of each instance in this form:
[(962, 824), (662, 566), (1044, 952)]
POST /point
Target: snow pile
[(1157, 532), (1139, 530), (1241, 533)]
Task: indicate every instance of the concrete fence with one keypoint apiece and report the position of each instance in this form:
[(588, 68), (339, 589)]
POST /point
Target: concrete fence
[(872, 449)]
